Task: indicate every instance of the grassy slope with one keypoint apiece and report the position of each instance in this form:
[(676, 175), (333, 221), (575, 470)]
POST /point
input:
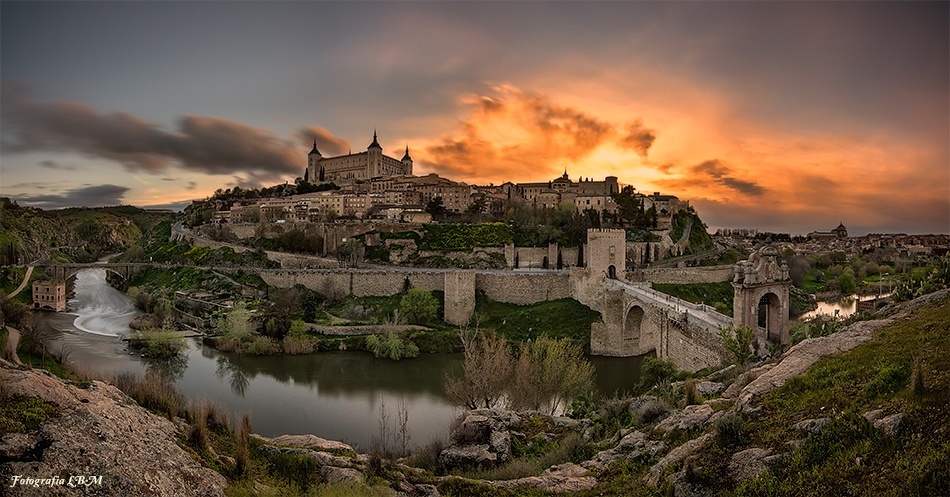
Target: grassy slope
[(850, 457), (562, 318)]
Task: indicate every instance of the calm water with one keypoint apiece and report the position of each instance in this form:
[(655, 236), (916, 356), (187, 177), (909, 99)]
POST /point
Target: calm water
[(845, 306), (335, 395)]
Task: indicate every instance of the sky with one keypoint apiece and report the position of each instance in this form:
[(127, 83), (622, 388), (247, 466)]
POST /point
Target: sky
[(782, 116)]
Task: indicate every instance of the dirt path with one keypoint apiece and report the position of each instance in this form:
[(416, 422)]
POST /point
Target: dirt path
[(13, 339), (26, 280)]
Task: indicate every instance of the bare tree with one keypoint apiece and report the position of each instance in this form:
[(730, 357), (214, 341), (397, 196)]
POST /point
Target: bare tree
[(486, 371)]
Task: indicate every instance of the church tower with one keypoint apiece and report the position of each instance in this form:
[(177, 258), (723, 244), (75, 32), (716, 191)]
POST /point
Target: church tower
[(374, 157), (314, 170), (407, 163)]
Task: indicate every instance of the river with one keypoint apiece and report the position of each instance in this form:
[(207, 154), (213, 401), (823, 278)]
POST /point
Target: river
[(335, 395), (843, 307)]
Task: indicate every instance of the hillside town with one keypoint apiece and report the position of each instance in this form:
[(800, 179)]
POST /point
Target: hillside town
[(373, 186)]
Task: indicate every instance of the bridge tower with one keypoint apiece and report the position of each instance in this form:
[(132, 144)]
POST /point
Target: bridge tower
[(761, 299), (606, 252)]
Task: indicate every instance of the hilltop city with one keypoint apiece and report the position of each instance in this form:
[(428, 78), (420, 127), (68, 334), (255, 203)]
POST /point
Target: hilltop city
[(599, 341)]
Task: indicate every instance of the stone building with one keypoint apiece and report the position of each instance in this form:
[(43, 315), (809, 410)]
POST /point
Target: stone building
[(363, 165), (49, 295), (839, 232)]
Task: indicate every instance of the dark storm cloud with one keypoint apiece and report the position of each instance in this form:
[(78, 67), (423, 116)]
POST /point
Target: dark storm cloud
[(51, 164), (88, 196), (327, 144), (711, 174), (203, 144), (638, 138)]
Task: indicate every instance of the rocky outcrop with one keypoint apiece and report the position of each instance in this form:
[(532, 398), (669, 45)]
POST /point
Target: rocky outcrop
[(564, 478), (98, 432), (483, 437), (677, 455), (632, 446), (750, 463)]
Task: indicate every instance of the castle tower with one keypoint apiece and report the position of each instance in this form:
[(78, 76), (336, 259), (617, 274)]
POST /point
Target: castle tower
[(314, 171), (407, 163), (374, 156)]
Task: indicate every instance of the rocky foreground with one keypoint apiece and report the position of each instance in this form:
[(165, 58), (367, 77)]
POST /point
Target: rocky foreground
[(99, 431)]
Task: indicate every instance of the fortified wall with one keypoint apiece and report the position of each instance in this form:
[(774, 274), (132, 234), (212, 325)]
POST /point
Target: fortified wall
[(683, 276), (459, 286)]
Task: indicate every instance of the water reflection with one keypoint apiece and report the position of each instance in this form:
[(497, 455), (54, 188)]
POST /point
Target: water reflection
[(235, 375), (172, 370)]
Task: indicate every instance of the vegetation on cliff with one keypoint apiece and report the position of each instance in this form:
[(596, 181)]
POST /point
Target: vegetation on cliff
[(70, 235)]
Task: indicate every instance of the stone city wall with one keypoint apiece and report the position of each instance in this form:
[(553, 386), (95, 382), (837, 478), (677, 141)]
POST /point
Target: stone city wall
[(300, 261), (683, 276), (524, 288), (532, 257)]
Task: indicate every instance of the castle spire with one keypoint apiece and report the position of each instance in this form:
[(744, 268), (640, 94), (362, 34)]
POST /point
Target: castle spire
[(405, 157), (314, 151), (375, 143)]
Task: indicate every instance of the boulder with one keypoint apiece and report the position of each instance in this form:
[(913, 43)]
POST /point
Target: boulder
[(749, 463), (874, 415), (632, 446), (684, 486), (306, 441), (890, 425), (677, 455), (709, 388), (500, 443), (694, 416), (812, 426), (564, 478), (467, 455), (100, 431), (333, 474)]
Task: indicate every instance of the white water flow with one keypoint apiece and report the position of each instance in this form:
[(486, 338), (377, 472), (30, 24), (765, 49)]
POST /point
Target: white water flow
[(98, 307)]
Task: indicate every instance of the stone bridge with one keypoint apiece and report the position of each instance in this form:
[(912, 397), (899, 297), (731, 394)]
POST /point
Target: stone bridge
[(64, 272), (637, 319)]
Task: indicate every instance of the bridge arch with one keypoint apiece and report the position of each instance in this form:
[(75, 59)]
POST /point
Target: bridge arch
[(632, 327), (71, 273), (638, 329)]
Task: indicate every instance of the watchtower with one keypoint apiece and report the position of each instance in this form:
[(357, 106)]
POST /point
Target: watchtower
[(606, 251)]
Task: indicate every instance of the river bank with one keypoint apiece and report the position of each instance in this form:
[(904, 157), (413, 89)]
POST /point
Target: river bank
[(785, 426)]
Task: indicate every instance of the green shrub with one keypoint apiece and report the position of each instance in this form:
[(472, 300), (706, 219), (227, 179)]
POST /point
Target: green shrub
[(157, 344), (655, 370), (419, 306), (392, 347), (888, 380), (262, 345), (738, 342)]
